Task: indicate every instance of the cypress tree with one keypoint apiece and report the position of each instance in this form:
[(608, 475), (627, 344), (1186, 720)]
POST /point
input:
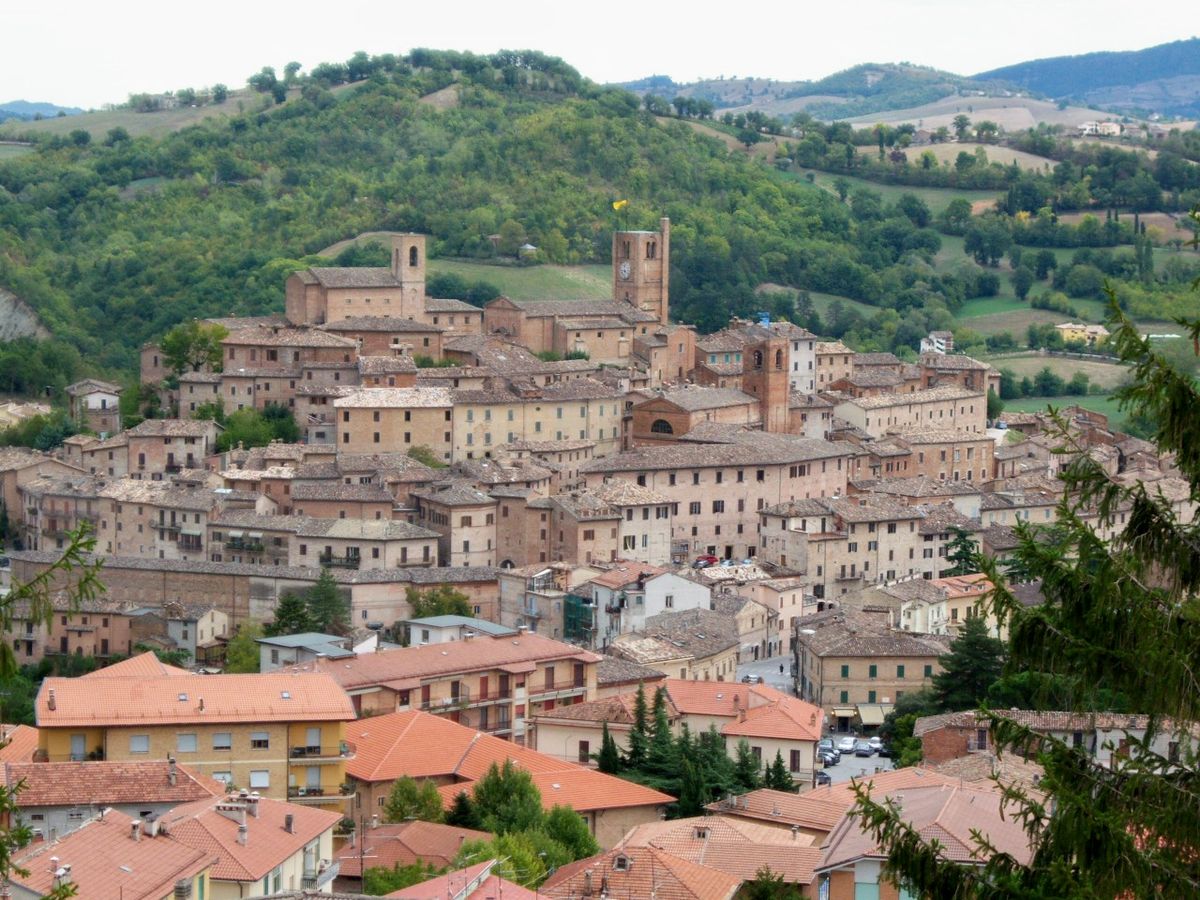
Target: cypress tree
[(609, 759), (974, 664), (778, 777), (1119, 576), (635, 757), (746, 774)]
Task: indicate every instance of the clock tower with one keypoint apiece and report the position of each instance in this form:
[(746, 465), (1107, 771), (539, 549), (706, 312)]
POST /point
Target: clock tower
[(641, 268)]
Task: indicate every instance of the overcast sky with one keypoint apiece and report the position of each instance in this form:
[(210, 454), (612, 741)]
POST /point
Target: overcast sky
[(87, 53)]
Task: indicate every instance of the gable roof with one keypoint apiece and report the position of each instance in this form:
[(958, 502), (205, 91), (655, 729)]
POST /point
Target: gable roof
[(103, 783), (783, 807), (106, 862), (640, 872), (475, 882), (19, 743), (421, 745), (406, 843)]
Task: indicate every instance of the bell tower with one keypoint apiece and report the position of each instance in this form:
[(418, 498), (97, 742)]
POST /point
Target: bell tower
[(641, 263), (765, 376), (408, 268)]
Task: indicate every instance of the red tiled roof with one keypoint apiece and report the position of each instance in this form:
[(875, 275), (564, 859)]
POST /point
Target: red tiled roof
[(106, 862), (785, 808), (405, 844), (768, 712), (398, 667), (19, 743), (459, 885), (422, 745), (268, 842), (640, 872), (144, 665), (97, 700), (104, 783), (625, 572)]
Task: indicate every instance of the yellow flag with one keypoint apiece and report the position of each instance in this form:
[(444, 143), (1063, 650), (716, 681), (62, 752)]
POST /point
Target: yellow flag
[(620, 204)]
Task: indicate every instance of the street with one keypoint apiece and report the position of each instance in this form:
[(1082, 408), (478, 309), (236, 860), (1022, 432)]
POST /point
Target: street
[(768, 670)]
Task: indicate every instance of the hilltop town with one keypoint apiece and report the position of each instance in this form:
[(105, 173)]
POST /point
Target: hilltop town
[(555, 531)]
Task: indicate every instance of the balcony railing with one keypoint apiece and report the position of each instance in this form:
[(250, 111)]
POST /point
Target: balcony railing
[(491, 696), (335, 561), (323, 876), (343, 750), (462, 698), (571, 684), (243, 544), (328, 793), (40, 755)]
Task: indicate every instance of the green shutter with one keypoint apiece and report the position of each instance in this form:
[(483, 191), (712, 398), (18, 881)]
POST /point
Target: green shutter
[(929, 671), (845, 671), (899, 671), (873, 671), (870, 696), (845, 697)]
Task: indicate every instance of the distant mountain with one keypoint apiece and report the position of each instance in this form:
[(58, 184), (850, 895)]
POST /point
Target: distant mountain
[(858, 91), (23, 109), (1163, 79)]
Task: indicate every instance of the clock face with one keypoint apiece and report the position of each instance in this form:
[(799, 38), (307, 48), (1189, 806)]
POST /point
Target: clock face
[(624, 270)]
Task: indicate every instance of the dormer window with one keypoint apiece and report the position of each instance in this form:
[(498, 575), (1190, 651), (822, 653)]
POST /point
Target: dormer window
[(621, 863)]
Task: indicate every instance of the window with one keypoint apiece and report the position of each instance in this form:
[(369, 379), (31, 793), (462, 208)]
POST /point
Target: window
[(185, 743), (899, 671), (870, 696), (844, 697), (260, 778), (669, 601), (694, 508), (794, 764), (845, 671), (929, 671), (718, 506), (585, 754), (223, 740), (872, 671), (139, 743), (260, 740)]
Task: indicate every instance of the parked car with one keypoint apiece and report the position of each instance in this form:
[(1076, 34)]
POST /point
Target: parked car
[(822, 778), (825, 744), (876, 742), (704, 561), (886, 751), (863, 748), (829, 757), (846, 744), (751, 679)]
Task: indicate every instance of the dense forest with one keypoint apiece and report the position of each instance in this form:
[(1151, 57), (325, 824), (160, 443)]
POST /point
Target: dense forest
[(114, 240)]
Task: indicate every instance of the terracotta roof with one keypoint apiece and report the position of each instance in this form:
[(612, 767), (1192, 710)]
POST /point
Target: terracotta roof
[(984, 768), (614, 670), (378, 323), (744, 449), (735, 846), (172, 428), (422, 745), (203, 826), (260, 336), (846, 632), (1037, 720), (386, 365), (92, 386), (98, 701), (449, 304), (784, 808), (105, 783), (106, 862), (398, 668), (694, 397), (396, 398), (929, 395), (406, 843), (475, 882), (626, 571), (351, 493), (144, 665), (617, 710), (640, 872), (19, 742)]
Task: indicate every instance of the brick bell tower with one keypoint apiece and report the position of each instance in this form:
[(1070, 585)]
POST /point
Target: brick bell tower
[(765, 376), (408, 268), (641, 263)]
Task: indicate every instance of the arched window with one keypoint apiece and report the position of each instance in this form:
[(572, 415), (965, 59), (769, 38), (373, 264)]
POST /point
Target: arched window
[(758, 359), (662, 426), (779, 359), (412, 256)]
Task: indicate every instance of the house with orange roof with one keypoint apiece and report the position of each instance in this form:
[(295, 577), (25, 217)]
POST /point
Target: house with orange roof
[(852, 862), (56, 798), (769, 720), (401, 844), (804, 814), (477, 882), (639, 872), (281, 733), (490, 682), (630, 592), (17, 743), (102, 860), (419, 745)]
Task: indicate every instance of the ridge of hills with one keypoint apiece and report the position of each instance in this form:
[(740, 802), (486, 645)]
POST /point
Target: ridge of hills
[(27, 110)]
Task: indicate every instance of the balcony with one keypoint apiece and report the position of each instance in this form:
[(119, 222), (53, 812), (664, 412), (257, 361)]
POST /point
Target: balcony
[(325, 874), (455, 701), (339, 562), (567, 686), (323, 794), (332, 753), (248, 546), (490, 697)]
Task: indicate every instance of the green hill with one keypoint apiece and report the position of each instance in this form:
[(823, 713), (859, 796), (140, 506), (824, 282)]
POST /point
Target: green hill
[(1164, 78)]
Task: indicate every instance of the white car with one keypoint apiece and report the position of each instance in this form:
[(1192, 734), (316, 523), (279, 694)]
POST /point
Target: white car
[(846, 744), (876, 743)]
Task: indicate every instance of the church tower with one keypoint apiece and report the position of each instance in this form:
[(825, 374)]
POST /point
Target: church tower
[(408, 268), (641, 263), (765, 376)]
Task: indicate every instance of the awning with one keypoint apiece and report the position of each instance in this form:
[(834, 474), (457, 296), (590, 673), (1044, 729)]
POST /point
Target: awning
[(871, 713), (235, 534), (843, 712)]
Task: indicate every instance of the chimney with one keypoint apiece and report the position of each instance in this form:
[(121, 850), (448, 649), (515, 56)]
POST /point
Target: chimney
[(50, 702), (135, 830), (375, 821), (183, 889), (289, 823), (252, 803), (62, 875), (795, 831), (201, 704), (171, 774), (243, 835)]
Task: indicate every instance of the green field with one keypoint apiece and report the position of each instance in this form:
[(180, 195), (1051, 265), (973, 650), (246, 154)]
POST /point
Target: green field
[(12, 151), (1107, 375), (1101, 403), (534, 282), (989, 306), (936, 199)]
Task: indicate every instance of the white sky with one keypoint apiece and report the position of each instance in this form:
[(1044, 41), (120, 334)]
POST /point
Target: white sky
[(87, 52)]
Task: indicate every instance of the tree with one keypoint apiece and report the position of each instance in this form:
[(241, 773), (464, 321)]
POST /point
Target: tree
[(512, 236), (694, 793), (193, 345), (897, 728), (241, 654), (609, 758), (517, 857), (635, 756), (972, 666), (181, 659), (1022, 280), (291, 617), (842, 187), (746, 768), (777, 777), (961, 123), (442, 600), (328, 607), (1118, 610), (410, 799), (220, 93), (506, 799), (767, 885), (962, 552), (995, 405), (379, 880), (245, 428), (425, 456), (565, 826), (661, 768), (462, 812)]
